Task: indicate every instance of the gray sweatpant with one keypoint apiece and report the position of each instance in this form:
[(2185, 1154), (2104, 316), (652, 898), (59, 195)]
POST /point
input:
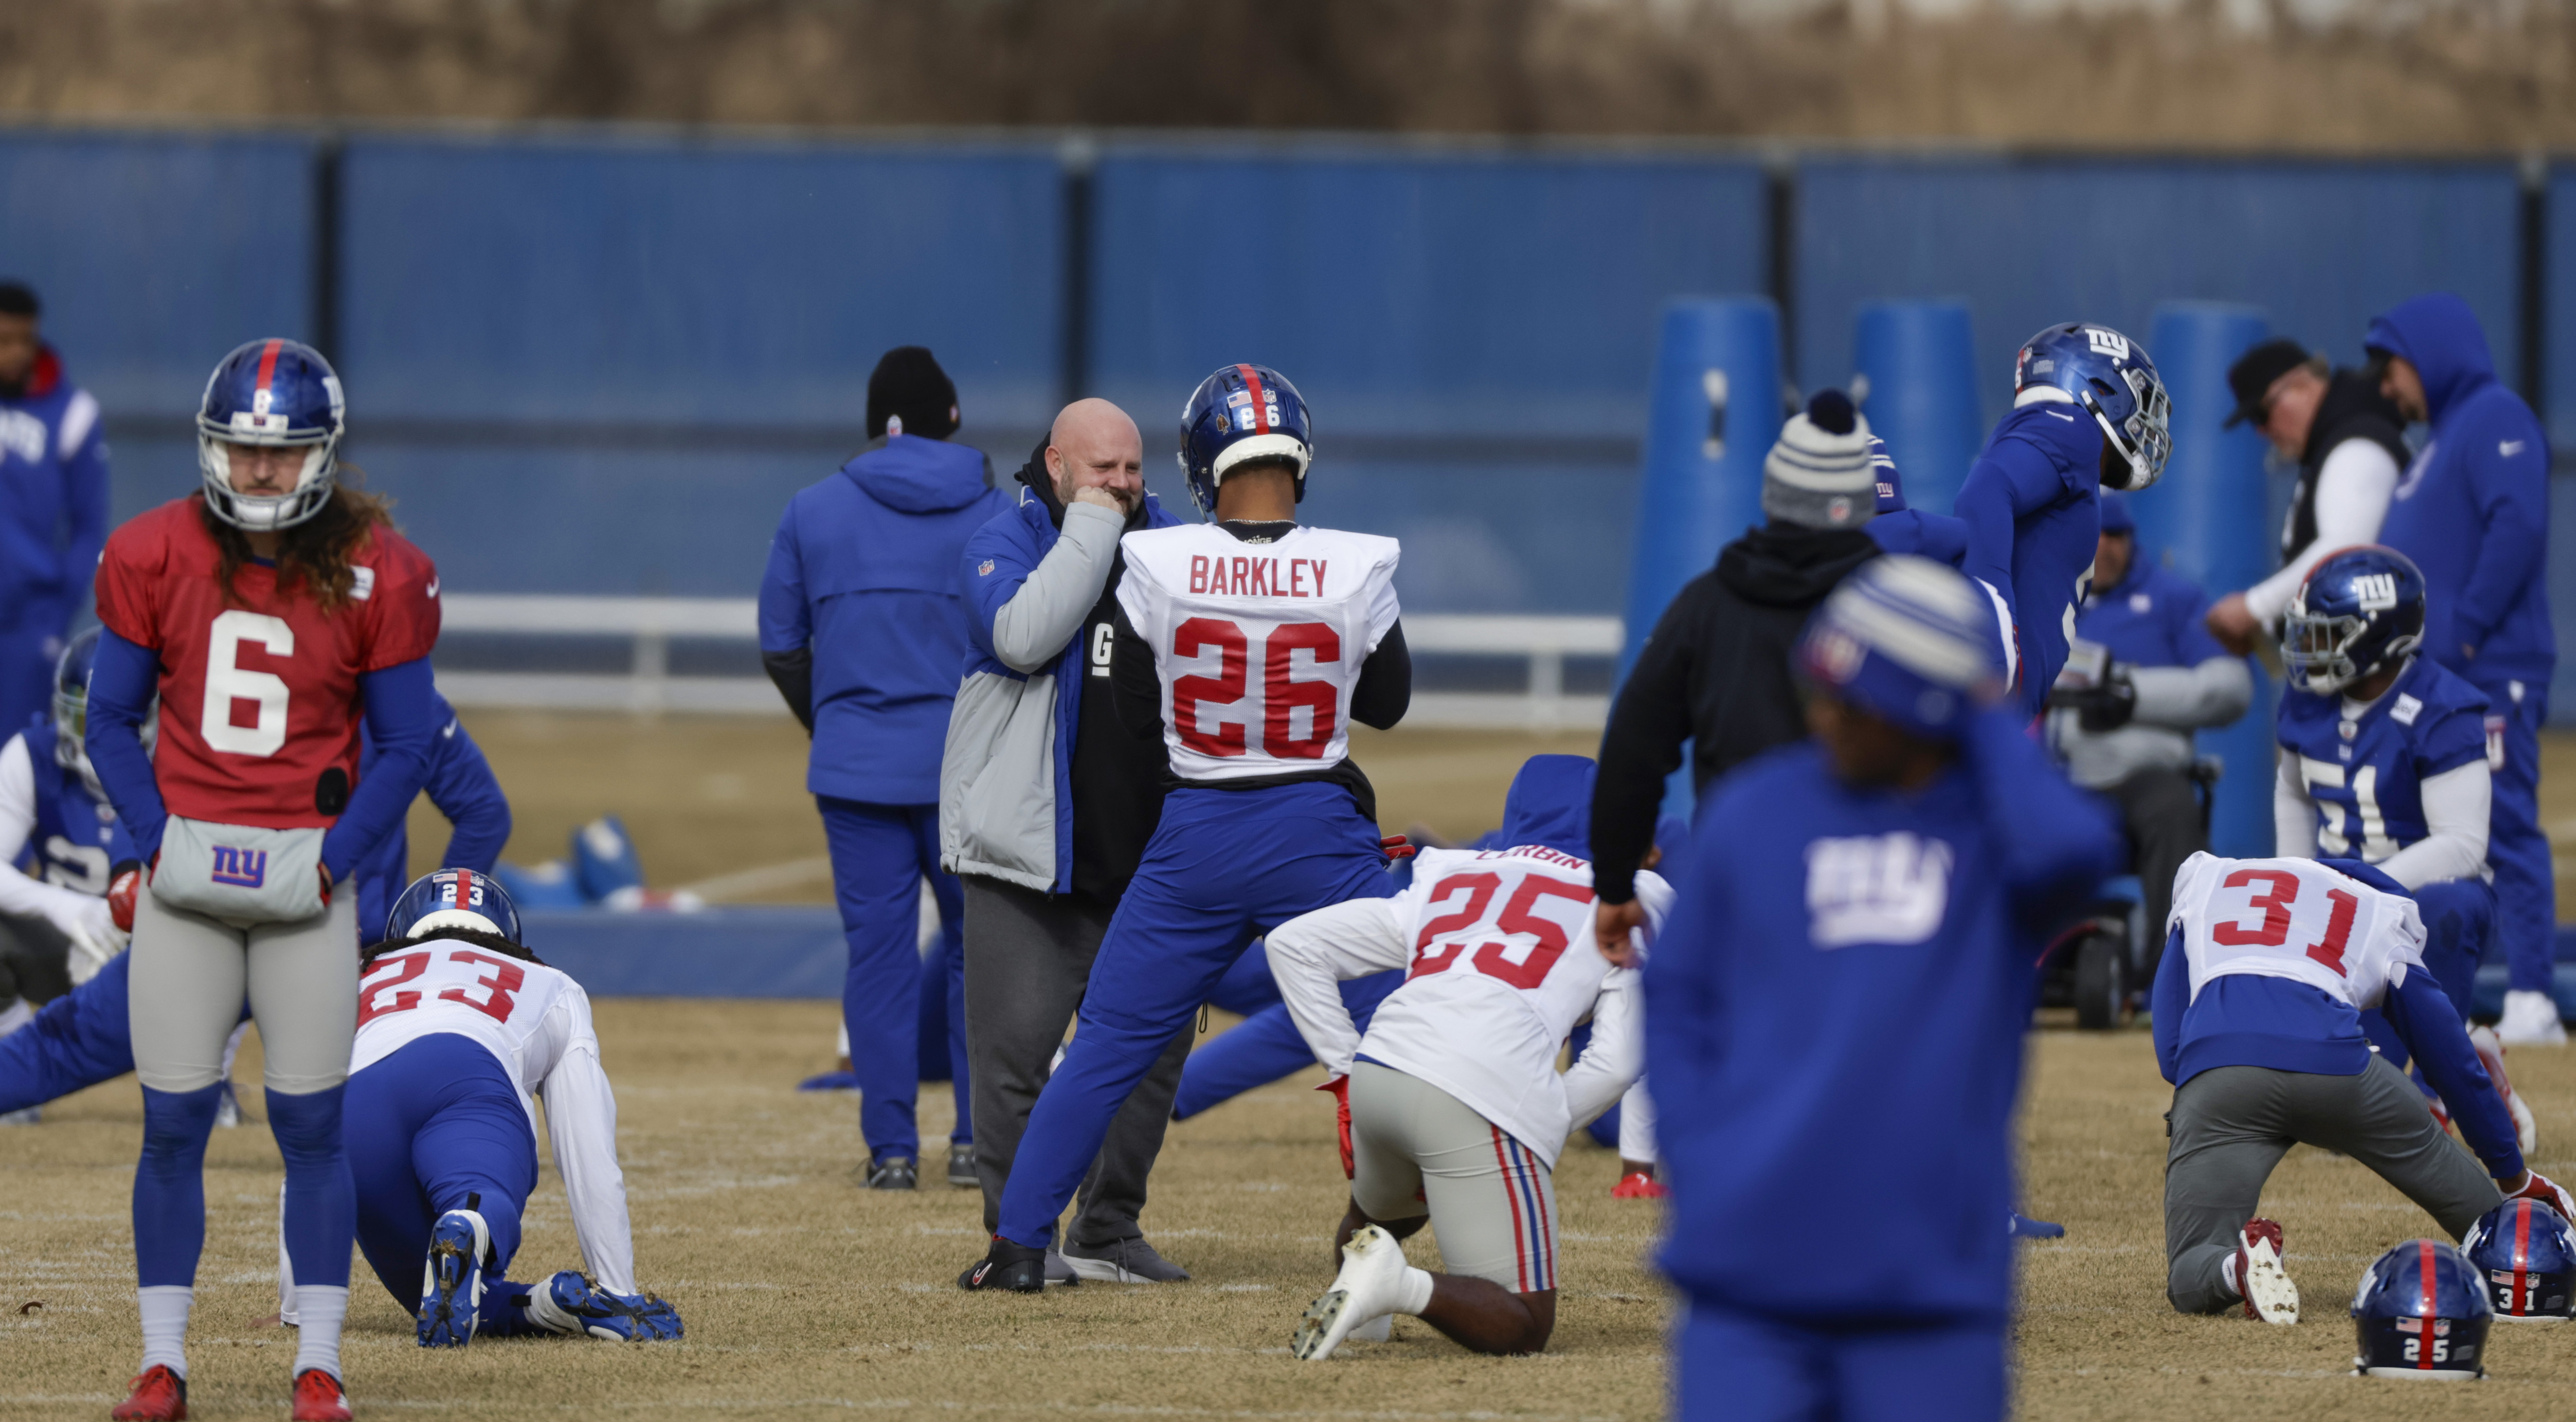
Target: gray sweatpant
[(1028, 958), (2232, 1125), (191, 973)]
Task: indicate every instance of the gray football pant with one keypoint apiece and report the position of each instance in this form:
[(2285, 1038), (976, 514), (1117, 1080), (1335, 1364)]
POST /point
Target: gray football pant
[(1028, 958), (191, 973), (2231, 1126)]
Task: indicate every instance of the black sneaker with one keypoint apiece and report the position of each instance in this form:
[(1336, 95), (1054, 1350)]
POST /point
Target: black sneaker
[(1013, 1267), (893, 1172), (961, 1166)]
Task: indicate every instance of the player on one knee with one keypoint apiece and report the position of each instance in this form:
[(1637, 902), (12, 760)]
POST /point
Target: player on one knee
[(2089, 413), (1249, 644), (461, 1033), (1452, 1109), (2259, 1005), (272, 610)]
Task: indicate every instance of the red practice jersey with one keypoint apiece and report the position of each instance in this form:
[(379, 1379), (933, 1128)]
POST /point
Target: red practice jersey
[(259, 692)]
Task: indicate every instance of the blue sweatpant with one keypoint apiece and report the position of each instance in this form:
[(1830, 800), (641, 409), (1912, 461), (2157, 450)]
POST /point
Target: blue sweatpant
[(1747, 1368), (1266, 1045), (879, 855), (2526, 885), (1223, 866), (77, 1041), (2459, 915), (436, 1127)]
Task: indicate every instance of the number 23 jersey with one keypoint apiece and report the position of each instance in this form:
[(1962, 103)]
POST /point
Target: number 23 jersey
[(259, 690), (1257, 645), (2296, 919)]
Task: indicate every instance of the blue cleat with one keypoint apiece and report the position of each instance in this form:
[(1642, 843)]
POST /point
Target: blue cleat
[(2024, 1227), (451, 1283), (572, 1304)]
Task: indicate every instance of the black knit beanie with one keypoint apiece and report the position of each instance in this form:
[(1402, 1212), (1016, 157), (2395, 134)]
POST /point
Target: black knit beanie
[(909, 389)]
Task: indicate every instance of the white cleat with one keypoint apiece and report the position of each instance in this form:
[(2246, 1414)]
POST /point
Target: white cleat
[(2490, 1049), (1366, 1290), (1376, 1330), (2269, 1294), (2531, 1020)]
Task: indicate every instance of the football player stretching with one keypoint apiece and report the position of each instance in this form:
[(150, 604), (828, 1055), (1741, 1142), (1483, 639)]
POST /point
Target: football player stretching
[(271, 610), (1250, 643)]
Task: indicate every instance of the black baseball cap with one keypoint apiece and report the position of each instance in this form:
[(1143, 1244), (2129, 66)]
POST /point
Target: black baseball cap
[(2252, 375)]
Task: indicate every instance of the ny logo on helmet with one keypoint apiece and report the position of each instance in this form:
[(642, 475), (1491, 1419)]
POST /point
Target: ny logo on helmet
[(2109, 343), (2377, 591)]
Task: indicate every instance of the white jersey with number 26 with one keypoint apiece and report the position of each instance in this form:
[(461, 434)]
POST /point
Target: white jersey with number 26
[(1258, 645), (2297, 919)]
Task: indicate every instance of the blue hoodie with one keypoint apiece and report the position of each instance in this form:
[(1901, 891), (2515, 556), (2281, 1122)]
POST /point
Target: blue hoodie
[(863, 571), (1550, 803), (2473, 509)]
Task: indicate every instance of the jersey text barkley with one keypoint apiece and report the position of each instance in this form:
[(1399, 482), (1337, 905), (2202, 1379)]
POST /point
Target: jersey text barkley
[(1240, 576)]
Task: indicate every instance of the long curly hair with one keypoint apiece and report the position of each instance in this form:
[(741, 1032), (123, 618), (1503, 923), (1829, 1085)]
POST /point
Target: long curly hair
[(314, 553)]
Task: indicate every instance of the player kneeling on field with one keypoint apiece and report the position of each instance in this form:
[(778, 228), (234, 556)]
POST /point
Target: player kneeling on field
[(1452, 1108), (460, 1032), (2258, 1018)]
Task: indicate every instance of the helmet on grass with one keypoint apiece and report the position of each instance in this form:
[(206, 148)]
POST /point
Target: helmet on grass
[(2421, 1314), (2525, 1254)]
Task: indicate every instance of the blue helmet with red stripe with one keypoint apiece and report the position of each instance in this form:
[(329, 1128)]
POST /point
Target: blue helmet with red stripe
[(271, 393), (1243, 414), (453, 898), (2421, 1314), (2525, 1253)]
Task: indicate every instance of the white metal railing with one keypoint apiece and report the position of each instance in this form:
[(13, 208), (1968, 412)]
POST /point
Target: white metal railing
[(651, 623)]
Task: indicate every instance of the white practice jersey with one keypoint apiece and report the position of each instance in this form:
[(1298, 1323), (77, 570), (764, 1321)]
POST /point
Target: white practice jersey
[(536, 1021), (1257, 645), (2298, 919), (1501, 966)]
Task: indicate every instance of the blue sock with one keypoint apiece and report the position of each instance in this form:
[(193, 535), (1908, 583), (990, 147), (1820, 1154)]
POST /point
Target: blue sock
[(321, 1196), (170, 1186)]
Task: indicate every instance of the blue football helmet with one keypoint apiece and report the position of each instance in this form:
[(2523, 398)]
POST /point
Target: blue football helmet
[(277, 393), (1241, 414), (453, 898), (2359, 610), (2110, 375), (2526, 1255), (71, 710), (2421, 1314)]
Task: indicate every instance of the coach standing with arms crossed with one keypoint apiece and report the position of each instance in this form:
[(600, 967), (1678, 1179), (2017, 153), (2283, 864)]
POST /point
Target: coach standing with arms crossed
[(862, 629), (1046, 804), (2473, 512)]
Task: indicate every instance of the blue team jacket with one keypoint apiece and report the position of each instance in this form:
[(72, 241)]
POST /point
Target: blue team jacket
[(53, 483), (2031, 503), (863, 570), (462, 786), (2152, 619), (2243, 1019), (2473, 509), (1834, 1023)]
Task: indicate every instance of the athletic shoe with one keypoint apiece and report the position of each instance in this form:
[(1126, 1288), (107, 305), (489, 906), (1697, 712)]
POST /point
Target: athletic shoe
[(1372, 1277), (2269, 1294), (574, 1304), (159, 1395), (451, 1282), (319, 1397), (29, 1116), (2022, 1226), (2531, 1020), (830, 1081), (1011, 1268), (2490, 1050), (1637, 1185), (1125, 1261), (893, 1172), (228, 1111), (961, 1165)]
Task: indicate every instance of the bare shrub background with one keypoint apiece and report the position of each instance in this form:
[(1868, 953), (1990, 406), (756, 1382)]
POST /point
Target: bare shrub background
[(2322, 75)]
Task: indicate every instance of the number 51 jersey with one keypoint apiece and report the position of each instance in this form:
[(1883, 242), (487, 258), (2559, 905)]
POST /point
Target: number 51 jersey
[(1257, 645), (2296, 919)]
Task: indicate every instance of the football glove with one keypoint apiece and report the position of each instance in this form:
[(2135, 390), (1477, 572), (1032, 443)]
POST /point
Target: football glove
[(123, 884), (1340, 1087), (1396, 846), (2548, 1192)]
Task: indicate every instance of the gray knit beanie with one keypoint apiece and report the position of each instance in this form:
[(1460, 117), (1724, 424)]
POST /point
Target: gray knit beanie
[(1819, 475)]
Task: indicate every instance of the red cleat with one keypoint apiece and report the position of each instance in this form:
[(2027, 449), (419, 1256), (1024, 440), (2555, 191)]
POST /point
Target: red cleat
[(1637, 1185), (160, 1395), (319, 1398)]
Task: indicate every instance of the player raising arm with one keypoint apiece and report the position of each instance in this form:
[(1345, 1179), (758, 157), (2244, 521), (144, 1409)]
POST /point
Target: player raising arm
[(1249, 643), (1452, 1109), (270, 610), (2258, 1004)]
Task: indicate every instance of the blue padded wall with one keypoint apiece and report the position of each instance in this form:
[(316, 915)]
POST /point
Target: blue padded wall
[(2319, 245)]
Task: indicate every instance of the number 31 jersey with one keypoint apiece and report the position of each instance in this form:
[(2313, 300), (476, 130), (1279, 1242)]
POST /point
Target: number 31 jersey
[(1257, 645), (2297, 919), (259, 689)]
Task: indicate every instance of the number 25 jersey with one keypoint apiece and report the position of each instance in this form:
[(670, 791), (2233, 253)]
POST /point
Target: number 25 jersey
[(1257, 645), (2296, 919)]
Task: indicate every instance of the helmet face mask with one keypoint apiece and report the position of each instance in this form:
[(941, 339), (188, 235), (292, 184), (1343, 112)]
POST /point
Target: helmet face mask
[(271, 394), (2112, 377), (2359, 611)]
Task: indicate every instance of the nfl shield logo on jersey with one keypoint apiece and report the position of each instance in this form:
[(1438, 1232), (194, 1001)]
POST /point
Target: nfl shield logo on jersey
[(241, 868)]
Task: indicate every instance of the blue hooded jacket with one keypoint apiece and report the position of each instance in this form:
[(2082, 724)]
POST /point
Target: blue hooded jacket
[(1550, 803), (863, 571), (2473, 509)]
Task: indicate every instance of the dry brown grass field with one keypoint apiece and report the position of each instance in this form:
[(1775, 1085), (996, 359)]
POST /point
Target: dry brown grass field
[(804, 1294)]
